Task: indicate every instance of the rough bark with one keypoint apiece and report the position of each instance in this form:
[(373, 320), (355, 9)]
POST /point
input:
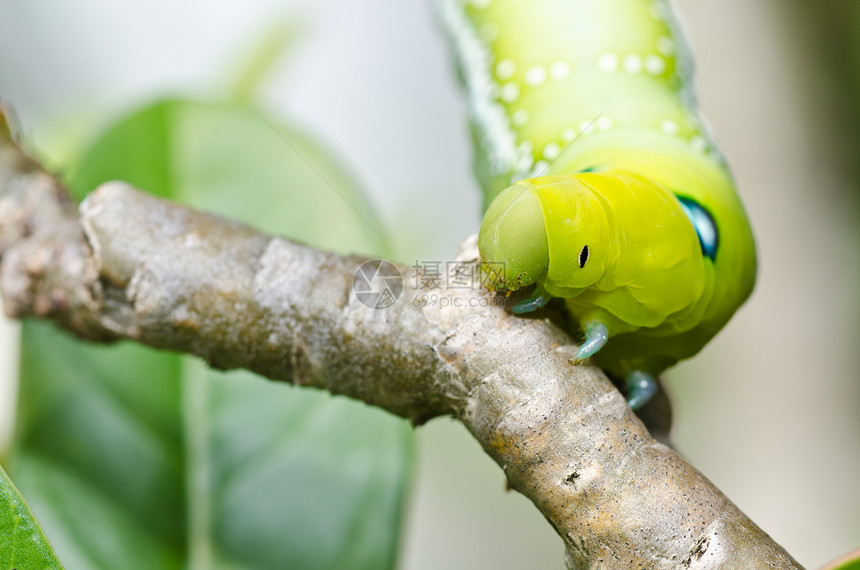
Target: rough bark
[(125, 265)]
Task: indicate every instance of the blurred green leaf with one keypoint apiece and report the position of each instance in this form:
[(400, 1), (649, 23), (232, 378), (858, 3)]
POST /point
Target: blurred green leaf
[(24, 546), (850, 561), (134, 458), (267, 50)]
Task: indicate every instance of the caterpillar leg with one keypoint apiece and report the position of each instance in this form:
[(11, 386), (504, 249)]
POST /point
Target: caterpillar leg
[(641, 386), (596, 335), (537, 300)]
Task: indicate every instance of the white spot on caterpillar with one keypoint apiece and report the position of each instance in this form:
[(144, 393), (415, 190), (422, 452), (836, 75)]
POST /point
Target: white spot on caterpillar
[(526, 147), (525, 163), (654, 64), (669, 127), (607, 62), (505, 69), (699, 144), (632, 63), (665, 45), (551, 151), (603, 123), (535, 76), (520, 117), (568, 135), (539, 169), (510, 92), (586, 126), (559, 70)]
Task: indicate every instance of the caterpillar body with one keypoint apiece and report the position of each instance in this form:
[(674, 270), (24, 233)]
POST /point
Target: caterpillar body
[(602, 185)]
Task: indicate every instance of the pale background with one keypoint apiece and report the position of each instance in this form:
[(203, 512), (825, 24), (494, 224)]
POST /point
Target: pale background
[(769, 411)]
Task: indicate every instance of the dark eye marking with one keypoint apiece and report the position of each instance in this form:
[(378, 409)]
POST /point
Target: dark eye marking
[(705, 225), (583, 256)]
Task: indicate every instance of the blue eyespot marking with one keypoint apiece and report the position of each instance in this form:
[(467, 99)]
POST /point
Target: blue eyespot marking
[(706, 227)]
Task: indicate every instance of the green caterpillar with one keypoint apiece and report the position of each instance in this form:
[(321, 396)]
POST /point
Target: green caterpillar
[(601, 183)]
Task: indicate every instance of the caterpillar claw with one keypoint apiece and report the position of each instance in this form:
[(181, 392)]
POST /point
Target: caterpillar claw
[(596, 335), (641, 386), (537, 300)]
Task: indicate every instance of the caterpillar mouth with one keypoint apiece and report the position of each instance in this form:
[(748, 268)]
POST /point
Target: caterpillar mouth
[(513, 241)]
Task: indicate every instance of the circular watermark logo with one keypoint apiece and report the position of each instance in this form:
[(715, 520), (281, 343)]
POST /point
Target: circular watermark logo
[(377, 284)]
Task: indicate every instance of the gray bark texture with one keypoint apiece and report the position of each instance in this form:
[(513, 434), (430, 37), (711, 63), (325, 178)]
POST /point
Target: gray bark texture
[(125, 265)]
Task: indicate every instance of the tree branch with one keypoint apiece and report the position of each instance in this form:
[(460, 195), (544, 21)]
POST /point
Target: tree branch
[(126, 265)]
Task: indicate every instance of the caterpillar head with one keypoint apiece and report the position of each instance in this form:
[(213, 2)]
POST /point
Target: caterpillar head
[(550, 230), (513, 240)]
